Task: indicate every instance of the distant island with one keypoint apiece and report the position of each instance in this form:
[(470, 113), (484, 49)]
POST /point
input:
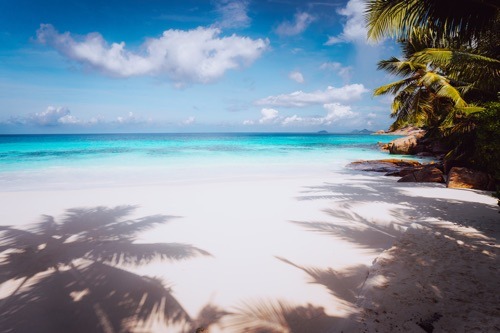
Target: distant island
[(322, 132), (363, 131)]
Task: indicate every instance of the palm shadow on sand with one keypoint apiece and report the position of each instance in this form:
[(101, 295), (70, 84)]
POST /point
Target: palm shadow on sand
[(475, 233), (69, 275), (279, 316), (267, 316)]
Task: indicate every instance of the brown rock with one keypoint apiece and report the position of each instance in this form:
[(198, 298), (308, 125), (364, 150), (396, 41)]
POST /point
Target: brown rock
[(470, 179), (383, 146), (429, 174), (404, 146), (405, 171), (386, 165)]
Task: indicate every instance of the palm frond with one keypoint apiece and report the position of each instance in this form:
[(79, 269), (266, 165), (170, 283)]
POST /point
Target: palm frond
[(397, 18), (136, 299), (261, 316), (471, 109), (442, 87), (127, 229), (399, 67), (125, 252), (19, 238), (393, 88), (476, 70), (445, 57), (79, 220)]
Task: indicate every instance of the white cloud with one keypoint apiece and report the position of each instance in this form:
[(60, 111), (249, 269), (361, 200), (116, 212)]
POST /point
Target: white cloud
[(299, 25), (371, 115), (268, 116), (190, 120), (60, 117), (233, 14), (354, 29), (335, 112), (296, 76), (301, 99), (53, 116), (184, 56), (292, 119), (130, 118), (343, 72)]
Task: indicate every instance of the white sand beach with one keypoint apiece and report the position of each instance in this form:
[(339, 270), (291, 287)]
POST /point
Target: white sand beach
[(308, 241)]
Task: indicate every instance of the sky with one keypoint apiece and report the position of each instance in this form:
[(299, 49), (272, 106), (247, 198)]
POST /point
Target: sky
[(70, 66)]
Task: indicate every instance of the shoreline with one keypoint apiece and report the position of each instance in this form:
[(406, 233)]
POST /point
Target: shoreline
[(305, 241)]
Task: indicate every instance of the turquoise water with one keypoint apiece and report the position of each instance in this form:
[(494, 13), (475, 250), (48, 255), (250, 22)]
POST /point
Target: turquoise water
[(39, 162), (39, 152)]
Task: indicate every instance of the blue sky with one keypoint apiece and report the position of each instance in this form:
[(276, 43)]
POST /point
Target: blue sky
[(188, 66)]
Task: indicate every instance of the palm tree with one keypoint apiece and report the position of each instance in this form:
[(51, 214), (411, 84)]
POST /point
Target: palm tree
[(475, 72), (75, 267), (464, 19), (422, 98), (458, 43)]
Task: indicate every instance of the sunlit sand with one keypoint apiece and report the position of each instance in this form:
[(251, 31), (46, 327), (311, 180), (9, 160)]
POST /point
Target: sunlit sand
[(304, 242)]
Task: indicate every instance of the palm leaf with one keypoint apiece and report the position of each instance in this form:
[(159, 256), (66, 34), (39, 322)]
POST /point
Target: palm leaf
[(124, 252), (400, 67), (78, 220), (475, 70), (397, 18), (125, 229), (261, 316), (130, 299), (393, 88)]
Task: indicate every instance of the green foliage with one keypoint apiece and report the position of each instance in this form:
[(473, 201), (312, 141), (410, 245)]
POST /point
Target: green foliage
[(451, 55), (423, 97), (460, 19), (474, 71), (487, 144)]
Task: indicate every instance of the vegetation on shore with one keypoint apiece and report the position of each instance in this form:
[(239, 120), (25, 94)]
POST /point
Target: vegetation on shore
[(450, 74)]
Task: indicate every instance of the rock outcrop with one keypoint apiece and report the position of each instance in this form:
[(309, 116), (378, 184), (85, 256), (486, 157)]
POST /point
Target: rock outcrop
[(386, 165), (410, 130), (406, 145), (470, 179), (409, 170), (427, 174)]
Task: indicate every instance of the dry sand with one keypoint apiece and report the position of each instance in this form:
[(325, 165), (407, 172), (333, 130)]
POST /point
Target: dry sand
[(309, 242)]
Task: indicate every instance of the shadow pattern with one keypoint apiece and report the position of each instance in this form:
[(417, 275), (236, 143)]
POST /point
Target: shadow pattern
[(264, 316), (70, 274)]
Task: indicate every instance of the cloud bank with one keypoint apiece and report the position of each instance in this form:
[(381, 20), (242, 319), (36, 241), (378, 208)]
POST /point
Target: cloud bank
[(354, 29), (52, 116), (302, 99), (61, 116), (185, 56), (334, 113)]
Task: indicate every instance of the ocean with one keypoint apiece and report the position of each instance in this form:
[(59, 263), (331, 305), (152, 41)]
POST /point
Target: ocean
[(118, 158)]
